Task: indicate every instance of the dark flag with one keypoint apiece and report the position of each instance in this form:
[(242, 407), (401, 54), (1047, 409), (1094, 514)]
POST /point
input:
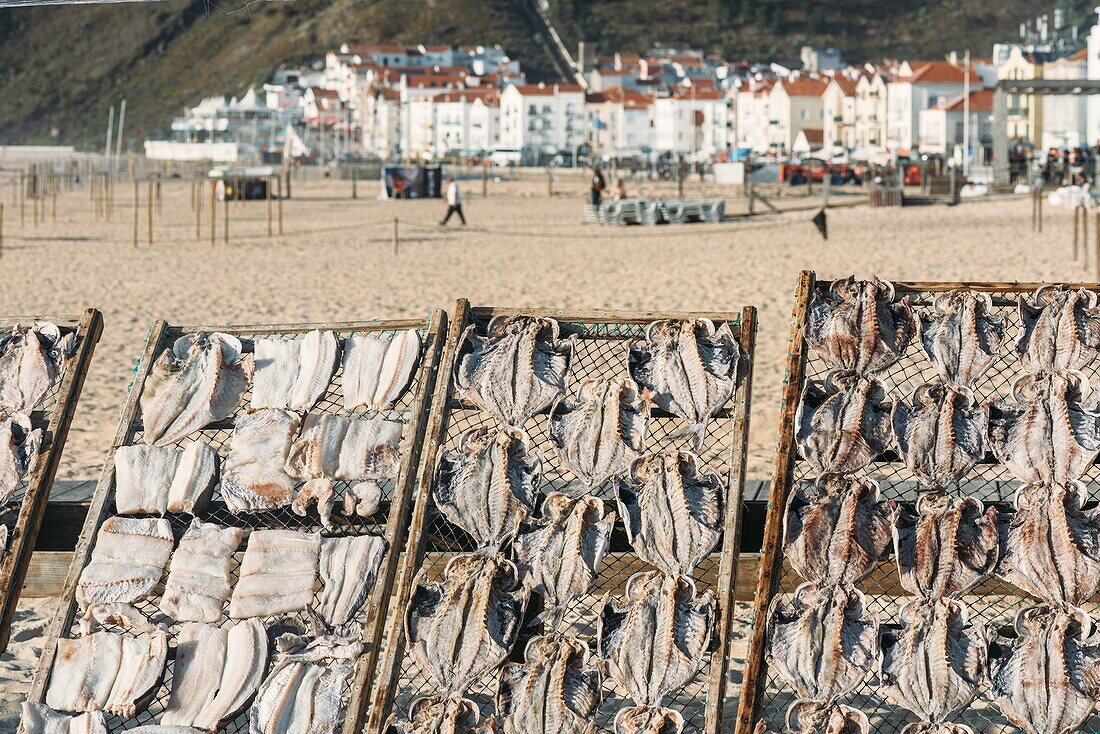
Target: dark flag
[(819, 222)]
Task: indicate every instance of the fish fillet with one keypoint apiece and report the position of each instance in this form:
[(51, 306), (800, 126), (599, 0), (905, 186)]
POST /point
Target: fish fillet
[(844, 425), (555, 691), (300, 698), (293, 373), (107, 672), (947, 547), (320, 492), (277, 575), (19, 444), (200, 656), (255, 479), (245, 664), (811, 717), (31, 359), (127, 562), (351, 449), (199, 576), (962, 337), (858, 327), (152, 480), (362, 499), (119, 616), (349, 567), (942, 434), (378, 368), (1061, 329), (40, 719)]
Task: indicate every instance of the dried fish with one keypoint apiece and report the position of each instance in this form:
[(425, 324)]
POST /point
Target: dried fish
[(127, 562), (198, 381), (962, 337), (811, 717), (934, 663), (349, 567), (516, 371), (441, 715), (1052, 546), (836, 529), (293, 373), (158, 729), (107, 672), (19, 444), (379, 368), (656, 636), (199, 576), (857, 327), (1061, 329), (690, 367), (942, 435), (255, 479), (318, 492), (277, 575), (672, 508), (555, 691), (338, 447), (487, 486), (844, 425), (240, 676), (465, 625), (648, 720), (922, 727), (200, 656), (602, 432), (300, 697), (362, 499), (823, 642), (40, 719), (118, 616), (560, 557), (152, 480), (31, 359), (947, 547), (1047, 681), (1047, 434)]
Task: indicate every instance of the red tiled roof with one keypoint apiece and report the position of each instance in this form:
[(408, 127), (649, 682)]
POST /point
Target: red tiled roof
[(465, 95), (319, 93), (940, 72), (848, 86), (534, 90), (981, 100), (804, 87), (700, 94), (435, 49), (814, 136), (618, 95), (376, 48)]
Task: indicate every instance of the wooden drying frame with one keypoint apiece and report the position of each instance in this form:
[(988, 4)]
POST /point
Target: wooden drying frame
[(160, 336), (88, 327), (387, 676)]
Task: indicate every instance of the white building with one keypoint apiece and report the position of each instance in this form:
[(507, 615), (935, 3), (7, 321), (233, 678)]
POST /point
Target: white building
[(619, 122), (918, 86), (795, 105), (1065, 117), (382, 123), (542, 119), (692, 122), (943, 126), (839, 113), (455, 118), (485, 122), (871, 100)]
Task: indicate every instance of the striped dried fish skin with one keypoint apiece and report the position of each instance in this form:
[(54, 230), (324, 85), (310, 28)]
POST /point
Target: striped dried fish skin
[(19, 444), (31, 359), (648, 720), (656, 636), (245, 664), (672, 509), (947, 547), (152, 480), (942, 434), (1051, 545), (560, 557), (823, 642), (934, 663), (555, 691), (200, 657), (107, 672), (962, 337), (277, 575), (200, 573), (349, 567), (836, 529), (689, 367), (601, 433), (923, 727), (300, 697), (379, 368), (38, 718), (116, 617), (1061, 329), (440, 715), (127, 562), (198, 381), (293, 373), (487, 486), (843, 425), (811, 717), (856, 326), (255, 479), (348, 449), (1047, 433), (515, 372), (465, 625)]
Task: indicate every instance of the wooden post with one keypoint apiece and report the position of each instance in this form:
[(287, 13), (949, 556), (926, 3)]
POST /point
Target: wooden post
[(53, 198), (549, 182), (1040, 211), (22, 199), (137, 204), (354, 181), (193, 182), (1084, 237), (34, 198), (1076, 232), (268, 192), (1, 231), (213, 211), (225, 223), (196, 194), (395, 240), (279, 181), (149, 209), (288, 183), (680, 179), (160, 209), (1035, 194), (484, 180)]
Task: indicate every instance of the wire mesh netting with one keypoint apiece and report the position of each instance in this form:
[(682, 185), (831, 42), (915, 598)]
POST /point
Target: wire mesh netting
[(600, 352), (993, 603), (407, 410)]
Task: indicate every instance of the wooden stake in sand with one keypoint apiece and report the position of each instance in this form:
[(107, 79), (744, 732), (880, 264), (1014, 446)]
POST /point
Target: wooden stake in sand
[(268, 192), (22, 199), (137, 203), (53, 197), (395, 239), (225, 224), (196, 192), (160, 209), (484, 181), (149, 209), (354, 181), (1, 231), (279, 181), (213, 211), (193, 194), (549, 182)]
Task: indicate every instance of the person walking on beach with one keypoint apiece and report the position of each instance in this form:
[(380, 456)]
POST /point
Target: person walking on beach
[(598, 185), (454, 203)]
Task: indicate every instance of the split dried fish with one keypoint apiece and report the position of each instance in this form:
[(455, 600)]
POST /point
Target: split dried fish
[(349, 567), (320, 492), (152, 480), (857, 327), (824, 642), (277, 575), (362, 499), (648, 720), (922, 727), (1047, 682), (602, 432), (19, 444), (441, 715), (200, 574), (837, 529), (240, 676), (672, 509), (40, 719), (555, 691), (1052, 546), (1061, 329), (107, 672), (487, 486), (464, 626), (934, 663), (158, 729), (198, 381), (942, 434), (844, 425), (337, 447), (116, 616), (127, 562), (516, 371), (32, 357), (656, 636), (379, 368), (963, 336), (690, 368), (812, 717), (255, 479), (559, 557), (293, 373), (947, 547), (300, 697)]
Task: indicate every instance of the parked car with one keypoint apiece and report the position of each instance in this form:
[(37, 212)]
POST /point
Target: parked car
[(504, 157)]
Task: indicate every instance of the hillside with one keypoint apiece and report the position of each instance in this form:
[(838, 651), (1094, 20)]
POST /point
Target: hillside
[(62, 67)]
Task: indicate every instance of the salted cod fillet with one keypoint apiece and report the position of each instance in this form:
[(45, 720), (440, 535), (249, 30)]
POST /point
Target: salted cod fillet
[(844, 425), (947, 547), (305, 689), (200, 573), (254, 479), (152, 480), (962, 337), (941, 436), (349, 567), (41, 719), (107, 672), (342, 448), (293, 373), (441, 715), (245, 664), (198, 381), (1061, 329), (31, 359), (856, 326), (555, 691), (127, 562), (277, 575), (378, 368), (19, 444)]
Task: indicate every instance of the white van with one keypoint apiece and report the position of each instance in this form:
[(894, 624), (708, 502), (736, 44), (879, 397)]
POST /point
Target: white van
[(505, 157)]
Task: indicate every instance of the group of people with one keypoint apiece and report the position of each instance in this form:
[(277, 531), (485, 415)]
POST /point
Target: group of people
[(598, 184), (1070, 167)]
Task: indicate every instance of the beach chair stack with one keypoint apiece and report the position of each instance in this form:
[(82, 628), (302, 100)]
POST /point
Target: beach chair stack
[(658, 211)]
